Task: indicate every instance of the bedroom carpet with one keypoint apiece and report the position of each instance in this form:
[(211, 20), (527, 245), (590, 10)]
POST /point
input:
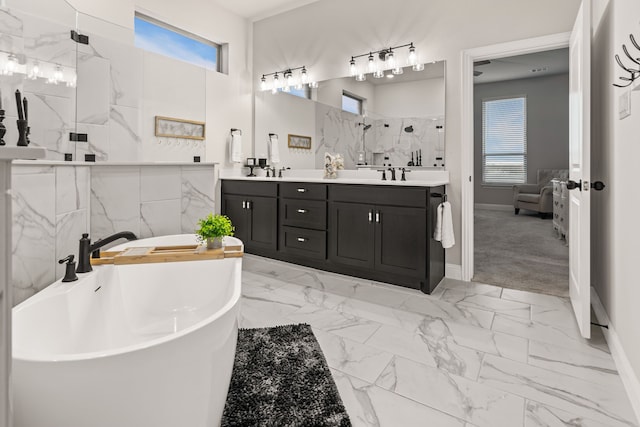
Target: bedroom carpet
[(520, 252)]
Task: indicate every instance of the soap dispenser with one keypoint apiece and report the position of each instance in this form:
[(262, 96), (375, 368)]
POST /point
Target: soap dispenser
[(70, 272)]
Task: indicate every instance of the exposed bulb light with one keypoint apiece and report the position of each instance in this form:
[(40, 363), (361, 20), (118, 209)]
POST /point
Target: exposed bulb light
[(390, 76), (390, 58), (313, 85), (276, 84), (263, 83), (413, 57), (387, 59), (34, 73), (288, 81), (372, 63), (304, 77), (57, 76), (11, 66)]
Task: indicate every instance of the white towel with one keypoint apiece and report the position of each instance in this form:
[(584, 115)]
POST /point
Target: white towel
[(236, 146), (444, 226), (274, 149)]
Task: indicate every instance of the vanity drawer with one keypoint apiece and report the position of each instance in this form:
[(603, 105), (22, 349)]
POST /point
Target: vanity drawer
[(303, 242), (250, 188), (303, 190), (303, 213), (379, 195)]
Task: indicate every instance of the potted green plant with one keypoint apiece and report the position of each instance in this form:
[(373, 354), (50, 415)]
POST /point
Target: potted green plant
[(213, 228)]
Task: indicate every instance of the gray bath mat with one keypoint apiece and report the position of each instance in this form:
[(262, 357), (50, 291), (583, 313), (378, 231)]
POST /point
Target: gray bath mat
[(280, 378)]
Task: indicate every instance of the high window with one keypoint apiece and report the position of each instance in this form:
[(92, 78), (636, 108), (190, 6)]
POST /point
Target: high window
[(351, 103), (161, 38), (504, 141)]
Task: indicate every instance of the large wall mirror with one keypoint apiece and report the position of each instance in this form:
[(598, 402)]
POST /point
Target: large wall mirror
[(110, 89), (396, 119)]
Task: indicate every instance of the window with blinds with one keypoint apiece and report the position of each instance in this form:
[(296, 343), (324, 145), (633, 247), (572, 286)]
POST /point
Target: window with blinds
[(504, 141)]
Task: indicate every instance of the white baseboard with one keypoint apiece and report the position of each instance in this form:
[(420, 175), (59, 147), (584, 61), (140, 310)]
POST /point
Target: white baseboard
[(453, 271), (625, 370), (493, 207)]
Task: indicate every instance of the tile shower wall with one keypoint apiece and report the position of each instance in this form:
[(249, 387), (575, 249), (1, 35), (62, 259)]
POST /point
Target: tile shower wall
[(338, 132), (54, 205)]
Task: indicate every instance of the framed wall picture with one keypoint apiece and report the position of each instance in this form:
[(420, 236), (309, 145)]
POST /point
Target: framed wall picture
[(179, 128), (299, 141)]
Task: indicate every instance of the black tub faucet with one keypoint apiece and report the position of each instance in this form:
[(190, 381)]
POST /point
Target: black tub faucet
[(86, 248)]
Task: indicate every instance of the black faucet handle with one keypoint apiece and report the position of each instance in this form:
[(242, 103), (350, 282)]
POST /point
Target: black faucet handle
[(68, 259), (70, 272), (384, 174)]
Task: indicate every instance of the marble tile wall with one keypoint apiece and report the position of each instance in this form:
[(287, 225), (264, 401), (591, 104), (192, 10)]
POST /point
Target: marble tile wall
[(51, 107), (108, 103), (54, 205), (338, 131)]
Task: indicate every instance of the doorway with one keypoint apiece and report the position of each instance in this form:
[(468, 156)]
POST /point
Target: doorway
[(503, 50), (521, 150)]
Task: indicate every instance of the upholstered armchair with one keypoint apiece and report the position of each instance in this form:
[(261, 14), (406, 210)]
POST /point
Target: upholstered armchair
[(538, 197)]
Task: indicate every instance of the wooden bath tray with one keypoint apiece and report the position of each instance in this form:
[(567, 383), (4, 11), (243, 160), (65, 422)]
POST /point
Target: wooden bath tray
[(147, 255)]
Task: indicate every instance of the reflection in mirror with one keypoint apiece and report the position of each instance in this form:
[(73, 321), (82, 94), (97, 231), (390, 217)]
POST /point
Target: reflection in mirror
[(108, 89), (401, 120), (37, 57)]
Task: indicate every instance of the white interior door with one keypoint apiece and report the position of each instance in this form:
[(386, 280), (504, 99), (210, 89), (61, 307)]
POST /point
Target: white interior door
[(579, 168)]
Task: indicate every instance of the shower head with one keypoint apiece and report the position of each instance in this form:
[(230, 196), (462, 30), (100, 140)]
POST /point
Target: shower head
[(409, 129), (366, 127)]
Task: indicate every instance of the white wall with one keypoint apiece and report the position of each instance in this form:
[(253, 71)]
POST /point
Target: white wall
[(324, 35), (421, 98), (228, 96), (615, 154), (285, 114)]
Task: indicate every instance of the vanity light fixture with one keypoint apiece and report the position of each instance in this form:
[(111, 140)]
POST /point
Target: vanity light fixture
[(11, 66), (286, 79), (390, 58)]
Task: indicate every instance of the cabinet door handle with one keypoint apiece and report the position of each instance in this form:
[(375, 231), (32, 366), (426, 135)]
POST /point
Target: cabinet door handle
[(302, 190), (378, 216), (248, 204), (370, 216), (244, 204), (302, 211), (302, 239)]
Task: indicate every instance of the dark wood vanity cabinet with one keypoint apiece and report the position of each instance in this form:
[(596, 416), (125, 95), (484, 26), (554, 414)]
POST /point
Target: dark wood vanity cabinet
[(303, 220), (376, 232), (253, 210), (386, 232)]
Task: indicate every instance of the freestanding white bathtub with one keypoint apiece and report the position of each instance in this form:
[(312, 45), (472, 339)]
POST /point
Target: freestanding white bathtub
[(147, 345)]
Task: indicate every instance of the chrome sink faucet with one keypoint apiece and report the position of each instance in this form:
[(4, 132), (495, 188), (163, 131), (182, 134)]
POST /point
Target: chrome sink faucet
[(86, 248)]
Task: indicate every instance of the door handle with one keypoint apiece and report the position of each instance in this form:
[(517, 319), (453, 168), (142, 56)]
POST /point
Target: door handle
[(302, 239), (302, 211), (572, 185), (244, 204), (378, 217), (370, 216), (248, 204), (598, 185), (302, 190)]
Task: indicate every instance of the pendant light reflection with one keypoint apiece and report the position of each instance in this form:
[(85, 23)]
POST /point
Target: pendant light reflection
[(287, 80)]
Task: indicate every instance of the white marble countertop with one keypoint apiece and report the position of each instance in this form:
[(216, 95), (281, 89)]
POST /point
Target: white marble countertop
[(100, 163), (433, 178), (12, 153)]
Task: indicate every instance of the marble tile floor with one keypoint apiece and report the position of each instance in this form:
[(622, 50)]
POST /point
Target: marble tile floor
[(468, 355)]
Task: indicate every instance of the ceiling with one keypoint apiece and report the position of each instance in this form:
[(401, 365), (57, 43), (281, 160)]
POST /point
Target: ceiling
[(524, 66), (254, 10)]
